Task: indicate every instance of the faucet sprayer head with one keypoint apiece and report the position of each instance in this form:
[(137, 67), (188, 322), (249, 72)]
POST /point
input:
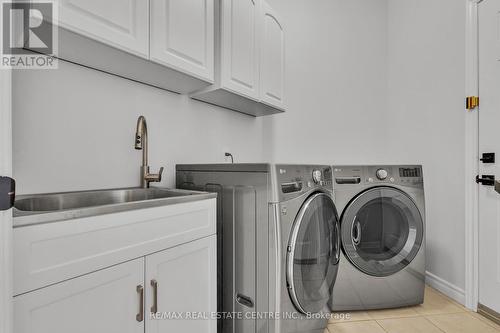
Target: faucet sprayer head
[(140, 132)]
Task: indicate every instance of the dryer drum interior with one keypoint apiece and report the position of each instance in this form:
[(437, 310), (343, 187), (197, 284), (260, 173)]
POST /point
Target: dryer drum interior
[(313, 254), (382, 231)]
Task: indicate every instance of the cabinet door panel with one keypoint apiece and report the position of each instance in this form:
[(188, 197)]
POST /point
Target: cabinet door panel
[(106, 301), (272, 58), (123, 24), (182, 35), (239, 38), (186, 278)]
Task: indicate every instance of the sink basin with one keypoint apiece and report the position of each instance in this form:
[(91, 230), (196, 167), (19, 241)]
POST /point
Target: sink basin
[(79, 200), (53, 207)]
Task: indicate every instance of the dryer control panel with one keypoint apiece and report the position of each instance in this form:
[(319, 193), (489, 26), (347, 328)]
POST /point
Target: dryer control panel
[(407, 175)]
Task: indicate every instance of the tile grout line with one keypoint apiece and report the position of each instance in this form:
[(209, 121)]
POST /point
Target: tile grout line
[(443, 314), (359, 321), (439, 328), (398, 316), (419, 316), (382, 327)]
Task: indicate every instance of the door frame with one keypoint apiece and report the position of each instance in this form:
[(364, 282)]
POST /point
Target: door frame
[(471, 145), (6, 248)]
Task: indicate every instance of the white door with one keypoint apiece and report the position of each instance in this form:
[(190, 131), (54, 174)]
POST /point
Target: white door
[(6, 269), (489, 141), (123, 24), (183, 280), (272, 62), (240, 47), (182, 36), (106, 301)]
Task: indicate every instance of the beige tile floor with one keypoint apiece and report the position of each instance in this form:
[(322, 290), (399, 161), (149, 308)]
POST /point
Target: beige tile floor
[(438, 314)]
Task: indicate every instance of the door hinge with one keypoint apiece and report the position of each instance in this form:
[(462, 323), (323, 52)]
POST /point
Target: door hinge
[(486, 180), (7, 193), (471, 102)]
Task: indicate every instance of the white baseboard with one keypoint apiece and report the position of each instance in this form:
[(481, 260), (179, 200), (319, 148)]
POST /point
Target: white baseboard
[(445, 287)]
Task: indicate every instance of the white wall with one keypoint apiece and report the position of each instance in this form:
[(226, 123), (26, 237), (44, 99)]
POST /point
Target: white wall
[(336, 79), (74, 129), (426, 85)]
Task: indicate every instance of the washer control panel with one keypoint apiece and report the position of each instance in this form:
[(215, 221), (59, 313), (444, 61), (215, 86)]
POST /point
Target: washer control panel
[(407, 175), (317, 176), (294, 179)]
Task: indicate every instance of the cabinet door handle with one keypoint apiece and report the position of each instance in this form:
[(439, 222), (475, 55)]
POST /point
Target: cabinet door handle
[(154, 284), (140, 316)]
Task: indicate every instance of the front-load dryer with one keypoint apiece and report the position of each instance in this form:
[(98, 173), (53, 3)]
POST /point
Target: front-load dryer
[(278, 244), (382, 235)]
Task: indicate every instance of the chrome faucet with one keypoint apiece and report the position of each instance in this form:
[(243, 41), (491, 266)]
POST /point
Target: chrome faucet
[(141, 143)]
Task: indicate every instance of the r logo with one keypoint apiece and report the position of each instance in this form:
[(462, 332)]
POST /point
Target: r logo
[(26, 26)]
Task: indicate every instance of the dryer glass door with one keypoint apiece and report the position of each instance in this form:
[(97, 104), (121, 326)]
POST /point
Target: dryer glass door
[(313, 254), (382, 231)]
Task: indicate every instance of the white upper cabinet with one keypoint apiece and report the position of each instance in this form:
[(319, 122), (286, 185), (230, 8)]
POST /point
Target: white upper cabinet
[(170, 46), (229, 53), (123, 24), (182, 36), (239, 63), (249, 59), (272, 58)]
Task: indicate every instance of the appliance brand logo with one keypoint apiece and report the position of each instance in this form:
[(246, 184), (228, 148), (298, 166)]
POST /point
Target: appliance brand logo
[(29, 39)]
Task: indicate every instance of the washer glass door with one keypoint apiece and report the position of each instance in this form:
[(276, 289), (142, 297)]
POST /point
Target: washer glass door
[(313, 254), (382, 231)]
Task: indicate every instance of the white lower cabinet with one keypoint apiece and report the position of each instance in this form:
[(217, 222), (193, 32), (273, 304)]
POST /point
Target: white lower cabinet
[(106, 301), (120, 299), (182, 281)]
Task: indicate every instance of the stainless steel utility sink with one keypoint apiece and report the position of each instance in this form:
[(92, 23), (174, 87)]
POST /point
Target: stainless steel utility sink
[(75, 200), (51, 207)]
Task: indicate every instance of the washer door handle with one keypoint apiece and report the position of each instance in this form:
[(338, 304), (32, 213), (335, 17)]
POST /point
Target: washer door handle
[(337, 243), (356, 232)]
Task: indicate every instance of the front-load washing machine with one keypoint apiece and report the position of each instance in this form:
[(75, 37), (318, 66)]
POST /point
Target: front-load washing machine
[(278, 245), (383, 237)]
